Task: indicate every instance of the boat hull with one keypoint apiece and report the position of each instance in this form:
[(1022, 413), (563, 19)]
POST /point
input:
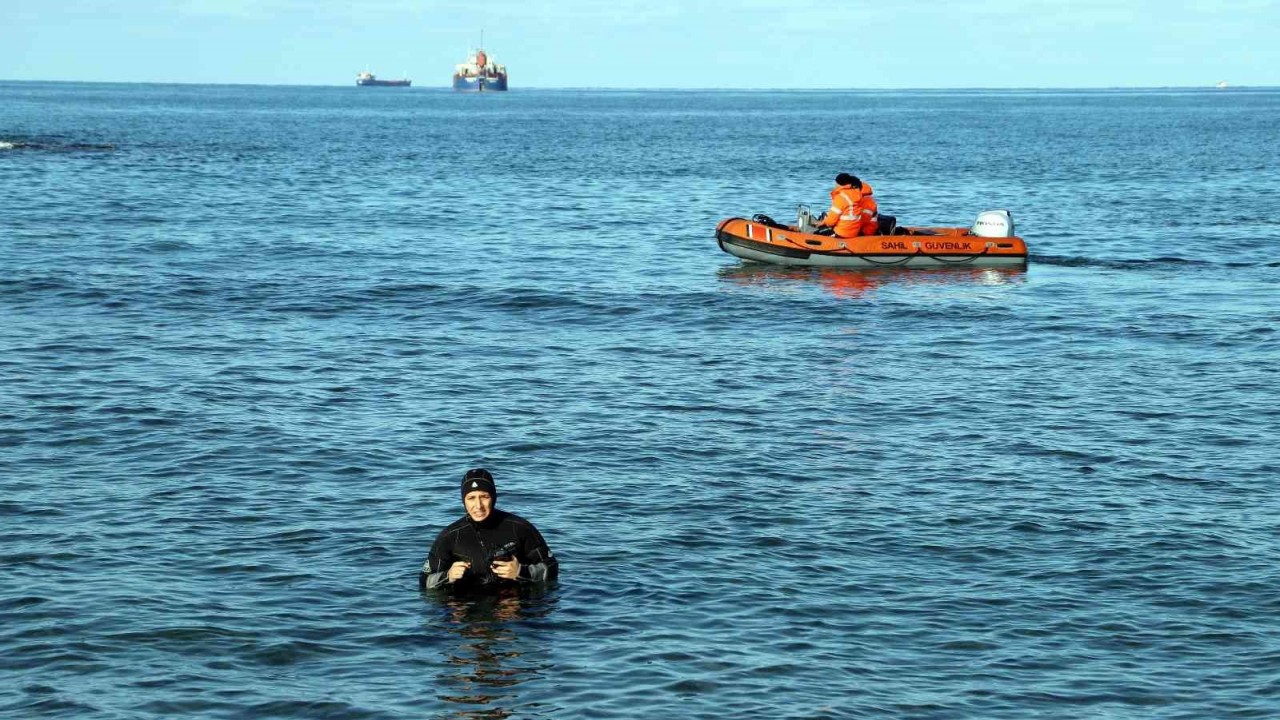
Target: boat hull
[(492, 83), (383, 83), (919, 247)]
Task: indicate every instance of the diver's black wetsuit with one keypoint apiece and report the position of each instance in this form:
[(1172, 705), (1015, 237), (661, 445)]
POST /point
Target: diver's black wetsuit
[(468, 541)]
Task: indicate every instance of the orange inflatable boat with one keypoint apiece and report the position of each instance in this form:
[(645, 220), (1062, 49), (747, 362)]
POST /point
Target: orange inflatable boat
[(989, 242)]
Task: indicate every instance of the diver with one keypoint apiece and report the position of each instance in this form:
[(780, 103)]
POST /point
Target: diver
[(487, 548)]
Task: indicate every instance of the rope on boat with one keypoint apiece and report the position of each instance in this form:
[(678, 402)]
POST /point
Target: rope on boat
[(888, 263), (962, 261), (773, 239)]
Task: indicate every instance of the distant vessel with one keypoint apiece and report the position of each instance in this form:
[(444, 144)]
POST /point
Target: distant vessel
[(480, 74), (367, 79), (1222, 85)]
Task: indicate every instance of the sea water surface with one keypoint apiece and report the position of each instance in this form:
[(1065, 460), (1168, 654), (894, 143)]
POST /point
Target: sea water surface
[(251, 337)]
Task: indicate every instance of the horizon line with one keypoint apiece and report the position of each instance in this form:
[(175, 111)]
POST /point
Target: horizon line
[(656, 88)]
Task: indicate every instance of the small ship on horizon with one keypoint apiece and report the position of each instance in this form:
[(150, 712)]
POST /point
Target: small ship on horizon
[(368, 79)]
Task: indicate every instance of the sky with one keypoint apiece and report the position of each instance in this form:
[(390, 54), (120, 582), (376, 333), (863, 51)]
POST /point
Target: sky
[(630, 44)]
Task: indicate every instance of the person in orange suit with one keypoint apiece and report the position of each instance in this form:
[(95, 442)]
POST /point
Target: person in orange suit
[(853, 210)]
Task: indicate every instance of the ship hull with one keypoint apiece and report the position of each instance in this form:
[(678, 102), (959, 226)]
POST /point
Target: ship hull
[(493, 83), (383, 83), (909, 247)]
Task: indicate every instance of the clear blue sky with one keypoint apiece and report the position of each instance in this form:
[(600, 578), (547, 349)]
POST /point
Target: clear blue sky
[(651, 43)]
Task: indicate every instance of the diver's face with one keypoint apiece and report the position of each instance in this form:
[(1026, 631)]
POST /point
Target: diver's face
[(479, 504)]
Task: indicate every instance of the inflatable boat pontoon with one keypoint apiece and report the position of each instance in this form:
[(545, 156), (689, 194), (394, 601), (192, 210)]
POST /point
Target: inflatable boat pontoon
[(989, 242)]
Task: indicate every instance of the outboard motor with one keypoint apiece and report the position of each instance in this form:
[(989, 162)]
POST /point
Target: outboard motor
[(804, 219), (993, 224)]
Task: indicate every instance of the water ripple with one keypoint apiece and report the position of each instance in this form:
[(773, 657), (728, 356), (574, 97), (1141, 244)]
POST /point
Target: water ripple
[(239, 390)]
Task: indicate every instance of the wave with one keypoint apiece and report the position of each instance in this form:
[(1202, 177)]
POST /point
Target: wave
[(1141, 263), (53, 144)]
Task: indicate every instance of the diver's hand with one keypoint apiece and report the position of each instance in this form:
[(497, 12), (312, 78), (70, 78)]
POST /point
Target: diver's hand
[(506, 569), (457, 569)]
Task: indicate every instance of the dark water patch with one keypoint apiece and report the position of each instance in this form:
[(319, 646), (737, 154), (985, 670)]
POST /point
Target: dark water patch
[(22, 603), (692, 687), (168, 246), (1156, 263), (8, 507), (314, 709), (1208, 482), (176, 638), (35, 285), (51, 707)]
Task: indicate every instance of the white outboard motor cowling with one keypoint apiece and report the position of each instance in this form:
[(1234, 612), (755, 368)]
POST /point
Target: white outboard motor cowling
[(993, 224), (804, 219)]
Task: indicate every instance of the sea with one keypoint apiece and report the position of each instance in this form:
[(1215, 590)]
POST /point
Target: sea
[(251, 337)]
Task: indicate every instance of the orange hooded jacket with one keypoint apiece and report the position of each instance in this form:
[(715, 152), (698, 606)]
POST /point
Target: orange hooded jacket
[(853, 211)]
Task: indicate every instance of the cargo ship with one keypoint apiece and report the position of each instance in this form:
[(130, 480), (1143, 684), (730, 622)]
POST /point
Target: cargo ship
[(480, 74), (367, 79)]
